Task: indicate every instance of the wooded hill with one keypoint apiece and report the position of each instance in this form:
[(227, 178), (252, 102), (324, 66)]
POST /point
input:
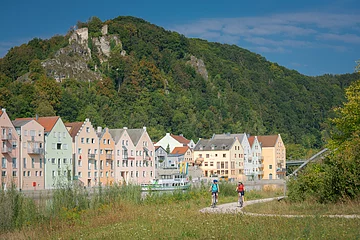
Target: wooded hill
[(155, 84)]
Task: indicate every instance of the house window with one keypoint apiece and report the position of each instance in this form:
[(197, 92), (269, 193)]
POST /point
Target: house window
[(24, 173), (87, 129), (14, 163), (79, 174), (40, 173), (32, 162), (87, 140), (58, 146), (40, 163), (108, 141), (24, 161), (131, 174), (3, 162), (36, 173), (137, 174), (224, 155), (82, 140), (270, 166), (65, 146), (144, 174), (93, 140), (3, 173), (151, 173), (104, 141), (64, 160), (53, 145), (79, 150), (118, 152), (29, 174), (89, 174), (207, 155), (53, 160), (79, 163), (101, 151)]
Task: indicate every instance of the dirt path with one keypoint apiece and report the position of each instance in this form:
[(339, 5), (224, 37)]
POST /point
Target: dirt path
[(233, 208)]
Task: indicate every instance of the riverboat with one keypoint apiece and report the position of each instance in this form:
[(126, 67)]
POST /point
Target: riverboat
[(167, 182)]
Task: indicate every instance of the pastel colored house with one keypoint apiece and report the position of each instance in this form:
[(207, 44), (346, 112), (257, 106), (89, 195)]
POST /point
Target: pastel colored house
[(257, 157), (85, 152), (160, 157), (32, 153), (144, 155), (186, 151), (10, 160), (107, 150), (221, 157), (135, 155), (274, 153), (124, 156), (174, 141), (58, 152)]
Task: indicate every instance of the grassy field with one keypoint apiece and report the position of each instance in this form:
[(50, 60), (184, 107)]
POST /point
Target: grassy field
[(305, 208), (177, 217)]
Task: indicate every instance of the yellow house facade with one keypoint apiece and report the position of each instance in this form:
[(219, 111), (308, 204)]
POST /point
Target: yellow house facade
[(274, 156), (220, 157)]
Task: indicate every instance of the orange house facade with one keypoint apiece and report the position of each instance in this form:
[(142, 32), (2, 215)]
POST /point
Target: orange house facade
[(107, 150)]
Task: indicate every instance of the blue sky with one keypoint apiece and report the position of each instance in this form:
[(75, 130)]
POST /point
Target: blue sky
[(312, 37)]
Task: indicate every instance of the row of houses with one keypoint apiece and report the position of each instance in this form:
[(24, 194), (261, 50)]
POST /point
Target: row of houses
[(43, 152), (237, 156)]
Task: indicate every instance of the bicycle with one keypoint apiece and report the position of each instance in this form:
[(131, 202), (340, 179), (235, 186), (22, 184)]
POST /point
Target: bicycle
[(240, 200), (213, 202)]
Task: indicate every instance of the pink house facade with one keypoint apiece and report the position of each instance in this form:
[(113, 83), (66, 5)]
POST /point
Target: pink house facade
[(9, 152), (134, 156), (85, 152), (31, 149)]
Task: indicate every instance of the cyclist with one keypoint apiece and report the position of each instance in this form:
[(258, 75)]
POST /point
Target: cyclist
[(241, 191), (214, 189)]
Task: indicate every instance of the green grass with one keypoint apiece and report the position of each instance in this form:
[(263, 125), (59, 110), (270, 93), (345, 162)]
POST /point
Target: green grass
[(305, 208), (179, 218)]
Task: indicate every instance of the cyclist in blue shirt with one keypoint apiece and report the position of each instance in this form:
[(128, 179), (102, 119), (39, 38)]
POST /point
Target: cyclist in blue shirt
[(214, 188)]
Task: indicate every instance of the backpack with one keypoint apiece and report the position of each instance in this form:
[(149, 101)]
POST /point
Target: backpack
[(240, 188), (214, 187)]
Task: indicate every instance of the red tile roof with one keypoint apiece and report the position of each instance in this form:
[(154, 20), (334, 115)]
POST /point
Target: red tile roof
[(73, 128), (180, 150), (180, 139), (47, 122), (268, 141), (251, 140)]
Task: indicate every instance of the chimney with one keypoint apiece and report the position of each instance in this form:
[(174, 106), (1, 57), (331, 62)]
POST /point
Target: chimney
[(4, 110), (181, 135), (37, 117), (125, 128), (144, 128), (99, 129)]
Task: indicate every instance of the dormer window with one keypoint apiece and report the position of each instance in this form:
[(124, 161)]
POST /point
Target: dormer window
[(212, 147)]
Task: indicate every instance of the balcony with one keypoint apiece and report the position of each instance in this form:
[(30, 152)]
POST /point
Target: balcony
[(91, 156), (109, 157), (36, 151), (6, 136), (6, 149)]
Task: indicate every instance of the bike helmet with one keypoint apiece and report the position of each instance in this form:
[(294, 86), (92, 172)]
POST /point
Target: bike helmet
[(215, 180)]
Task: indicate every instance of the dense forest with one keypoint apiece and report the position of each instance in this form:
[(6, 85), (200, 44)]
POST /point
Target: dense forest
[(155, 85)]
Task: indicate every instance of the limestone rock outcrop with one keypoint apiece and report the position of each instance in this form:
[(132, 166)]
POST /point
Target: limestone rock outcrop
[(199, 66)]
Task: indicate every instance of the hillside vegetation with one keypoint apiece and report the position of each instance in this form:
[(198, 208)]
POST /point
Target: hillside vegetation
[(155, 84)]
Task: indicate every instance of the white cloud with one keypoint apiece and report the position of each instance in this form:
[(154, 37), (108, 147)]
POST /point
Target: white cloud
[(273, 33)]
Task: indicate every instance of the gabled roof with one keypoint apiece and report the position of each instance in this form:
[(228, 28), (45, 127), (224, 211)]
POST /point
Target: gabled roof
[(214, 144), (73, 128), (227, 135), (268, 141), (180, 150), (135, 134), (19, 122), (251, 140), (47, 122), (180, 139), (116, 134)]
